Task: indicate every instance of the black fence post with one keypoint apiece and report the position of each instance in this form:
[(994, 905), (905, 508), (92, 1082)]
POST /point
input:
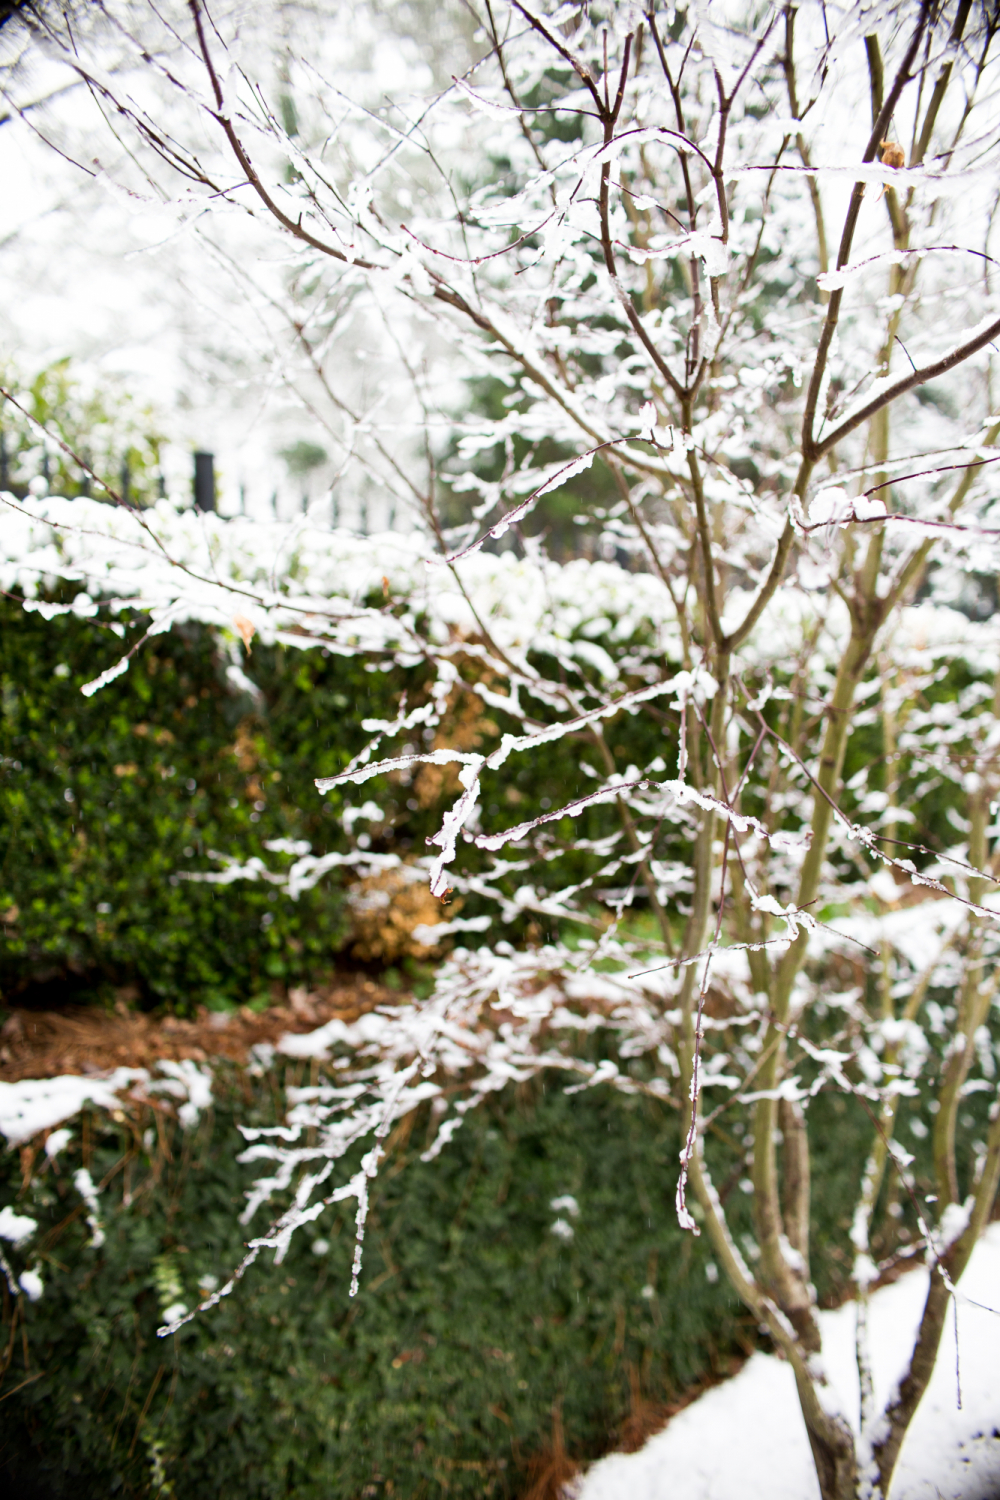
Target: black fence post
[(126, 482), (204, 481), (4, 470)]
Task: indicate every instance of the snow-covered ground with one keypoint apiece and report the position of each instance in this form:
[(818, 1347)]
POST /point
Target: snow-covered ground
[(744, 1440)]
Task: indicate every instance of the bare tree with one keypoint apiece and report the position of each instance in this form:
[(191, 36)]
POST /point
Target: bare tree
[(738, 268)]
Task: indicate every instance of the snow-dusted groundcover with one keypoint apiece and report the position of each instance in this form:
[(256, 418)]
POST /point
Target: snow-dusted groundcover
[(727, 275), (36, 1105)]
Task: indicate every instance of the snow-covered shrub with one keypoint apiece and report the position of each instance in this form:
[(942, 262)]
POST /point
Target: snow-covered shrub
[(291, 1388)]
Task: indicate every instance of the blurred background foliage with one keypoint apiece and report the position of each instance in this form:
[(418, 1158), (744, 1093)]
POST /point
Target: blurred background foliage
[(108, 433), (571, 521)]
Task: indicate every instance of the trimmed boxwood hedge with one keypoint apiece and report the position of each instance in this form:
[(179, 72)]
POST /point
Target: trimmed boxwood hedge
[(474, 1321), (105, 800), (475, 1331)]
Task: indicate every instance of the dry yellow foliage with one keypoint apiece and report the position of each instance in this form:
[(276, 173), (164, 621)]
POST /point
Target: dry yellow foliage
[(464, 726), (387, 908)]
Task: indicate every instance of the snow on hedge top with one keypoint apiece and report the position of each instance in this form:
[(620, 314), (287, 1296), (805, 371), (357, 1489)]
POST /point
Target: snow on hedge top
[(35, 1104), (16, 1228), (391, 593), (299, 584)]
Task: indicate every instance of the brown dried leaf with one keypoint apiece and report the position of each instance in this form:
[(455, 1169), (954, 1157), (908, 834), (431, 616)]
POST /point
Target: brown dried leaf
[(246, 628)]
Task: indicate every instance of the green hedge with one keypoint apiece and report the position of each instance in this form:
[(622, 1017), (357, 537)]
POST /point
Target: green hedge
[(474, 1324), (104, 800), (477, 1329)]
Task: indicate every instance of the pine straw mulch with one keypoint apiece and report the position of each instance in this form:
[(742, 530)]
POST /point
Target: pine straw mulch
[(45, 1044)]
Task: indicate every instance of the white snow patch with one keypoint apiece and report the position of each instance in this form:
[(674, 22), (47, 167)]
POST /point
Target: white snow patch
[(746, 1437), (31, 1285), (36, 1104), (87, 1188), (57, 1141), (185, 1080), (15, 1228)]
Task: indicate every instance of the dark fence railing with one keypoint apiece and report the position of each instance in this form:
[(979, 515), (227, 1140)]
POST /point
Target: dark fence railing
[(204, 490), (204, 481)]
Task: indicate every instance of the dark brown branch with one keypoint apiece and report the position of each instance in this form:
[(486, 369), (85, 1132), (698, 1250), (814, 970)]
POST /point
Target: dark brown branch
[(909, 383), (293, 226), (847, 236), (608, 248), (581, 72)]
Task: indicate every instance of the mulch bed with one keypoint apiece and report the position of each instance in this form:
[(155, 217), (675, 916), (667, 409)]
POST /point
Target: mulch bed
[(45, 1044)]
